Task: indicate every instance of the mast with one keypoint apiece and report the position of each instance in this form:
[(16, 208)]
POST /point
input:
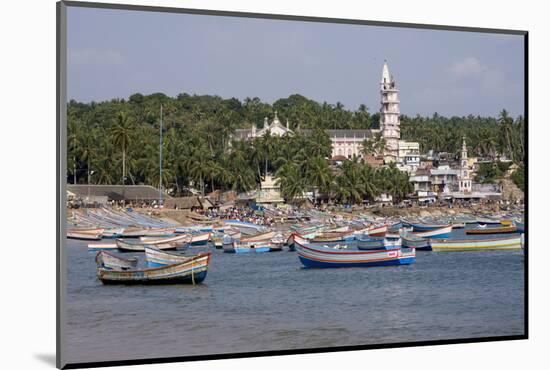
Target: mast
[(160, 158)]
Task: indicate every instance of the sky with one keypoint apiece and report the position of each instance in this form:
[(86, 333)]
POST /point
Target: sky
[(116, 53)]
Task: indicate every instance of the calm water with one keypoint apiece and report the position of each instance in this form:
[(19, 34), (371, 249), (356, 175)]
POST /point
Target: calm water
[(267, 301)]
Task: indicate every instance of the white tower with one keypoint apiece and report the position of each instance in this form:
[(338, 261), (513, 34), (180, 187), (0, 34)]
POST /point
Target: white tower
[(464, 180), (389, 114)]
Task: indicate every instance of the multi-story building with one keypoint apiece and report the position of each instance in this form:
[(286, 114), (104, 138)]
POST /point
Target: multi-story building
[(349, 143)]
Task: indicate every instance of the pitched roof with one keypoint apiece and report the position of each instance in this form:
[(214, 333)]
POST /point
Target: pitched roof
[(117, 192)]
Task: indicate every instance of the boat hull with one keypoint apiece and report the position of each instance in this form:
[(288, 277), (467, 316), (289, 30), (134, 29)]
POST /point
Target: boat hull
[(192, 271), (479, 244), (443, 232), (309, 263), (324, 257), (492, 230)]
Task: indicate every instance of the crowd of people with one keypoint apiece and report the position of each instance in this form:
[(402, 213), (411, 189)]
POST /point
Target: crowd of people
[(241, 214)]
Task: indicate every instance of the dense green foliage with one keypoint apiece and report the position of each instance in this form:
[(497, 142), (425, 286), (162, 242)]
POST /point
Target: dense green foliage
[(519, 177), (120, 139), (486, 137)]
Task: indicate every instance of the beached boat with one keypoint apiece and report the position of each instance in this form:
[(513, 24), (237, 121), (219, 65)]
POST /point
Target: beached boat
[(111, 261), (180, 240), (365, 242), (458, 225), (114, 232), (90, 231), (83, 236), (276, 243), (509, 242), (156, 257), (136, 232), (138, 246), (442, 232), (246, 228), (487, 221), (246, 248), (192, 271), (313, 256), (100, 247), (421, 227), (411, 241), (492, 230), (333, 236), (259, 238), (379, 230), (200, 239)]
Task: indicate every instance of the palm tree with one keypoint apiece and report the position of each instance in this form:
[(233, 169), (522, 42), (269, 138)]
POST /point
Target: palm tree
[(374, 146), (506, 123), (122, 133), (291, 181), (318, 175), (73, 147), (349, 184)]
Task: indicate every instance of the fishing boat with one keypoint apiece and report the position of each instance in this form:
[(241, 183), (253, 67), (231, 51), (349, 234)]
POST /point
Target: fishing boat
[(136, 232), (365, 242), (194, 229), (133, 232), (138, 246), (192, 271), (421, 227), (276, 243), (411, 241), (246, 228), (520, 226), (156, 257), (83, 236), (333, 236), (111, 261), (200, 239), (314, 256), (458, 225), (246, 248), (178, 239), (379, 230), (114, 232), (487, 221), (442, 232), (503, 243), (100, 247), (493, 230), (259, 238), (392, 243)]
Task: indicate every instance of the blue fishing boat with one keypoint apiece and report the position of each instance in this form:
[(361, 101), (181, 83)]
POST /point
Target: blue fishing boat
[(314, 256)]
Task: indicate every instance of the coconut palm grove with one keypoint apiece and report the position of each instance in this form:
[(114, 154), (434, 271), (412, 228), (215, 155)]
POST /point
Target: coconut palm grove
[(119, 139)]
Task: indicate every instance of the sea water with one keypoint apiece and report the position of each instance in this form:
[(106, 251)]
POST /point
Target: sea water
[(268, 301)]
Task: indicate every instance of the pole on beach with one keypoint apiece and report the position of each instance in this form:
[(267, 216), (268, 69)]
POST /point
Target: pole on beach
[(160, 159)]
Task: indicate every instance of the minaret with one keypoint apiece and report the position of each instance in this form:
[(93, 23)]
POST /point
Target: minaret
[(389, 114), (464, 181)]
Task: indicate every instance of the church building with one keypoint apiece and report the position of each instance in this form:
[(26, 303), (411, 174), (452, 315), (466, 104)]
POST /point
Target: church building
[(349, 143)]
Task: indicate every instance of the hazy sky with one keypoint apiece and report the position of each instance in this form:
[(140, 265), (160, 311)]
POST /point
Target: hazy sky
[(114, 53)]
